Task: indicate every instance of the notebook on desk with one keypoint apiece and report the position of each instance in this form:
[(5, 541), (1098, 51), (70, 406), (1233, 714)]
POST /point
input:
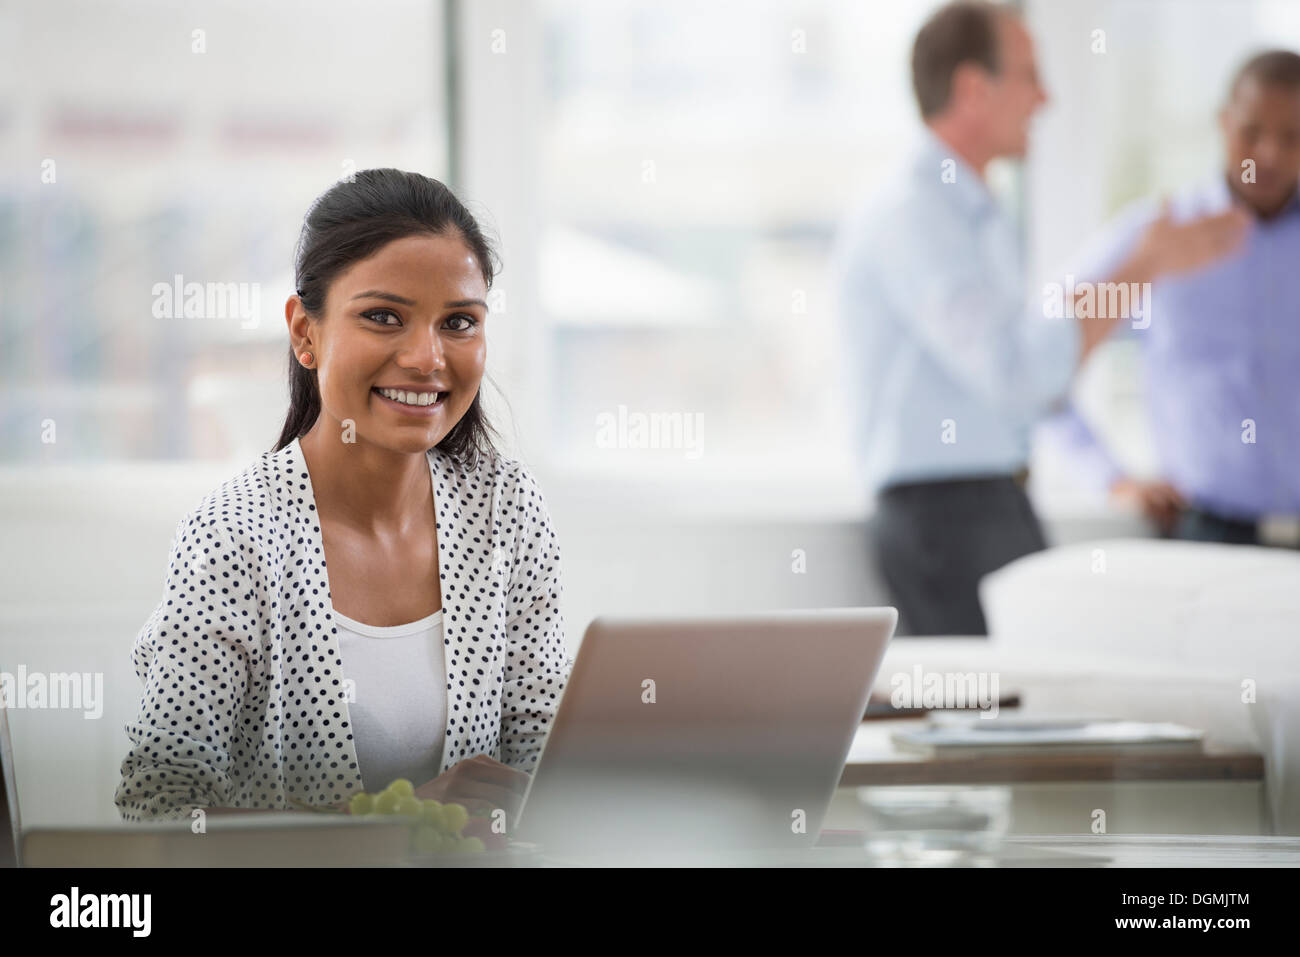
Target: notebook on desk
[(963, 736), (880, 707)]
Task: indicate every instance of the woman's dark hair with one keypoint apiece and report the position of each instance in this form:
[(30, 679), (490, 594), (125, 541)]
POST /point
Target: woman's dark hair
[(353, 220)]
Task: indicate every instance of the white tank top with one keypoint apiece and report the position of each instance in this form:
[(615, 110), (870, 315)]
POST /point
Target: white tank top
[(399, 717)]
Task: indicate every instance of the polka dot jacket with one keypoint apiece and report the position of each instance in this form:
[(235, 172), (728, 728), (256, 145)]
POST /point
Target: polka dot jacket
[(245, 700)]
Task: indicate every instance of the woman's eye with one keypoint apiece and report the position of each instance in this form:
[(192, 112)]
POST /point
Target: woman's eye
[(470, 320), (382, 312)]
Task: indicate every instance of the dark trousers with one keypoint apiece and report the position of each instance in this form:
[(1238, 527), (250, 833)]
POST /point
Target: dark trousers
[(934, 541)]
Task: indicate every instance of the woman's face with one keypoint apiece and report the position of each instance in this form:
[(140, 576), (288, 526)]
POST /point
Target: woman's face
[(409, 318)]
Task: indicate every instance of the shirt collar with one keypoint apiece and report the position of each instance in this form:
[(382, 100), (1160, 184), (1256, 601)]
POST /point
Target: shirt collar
[(300, 498), (969, 190), (1215, 193)]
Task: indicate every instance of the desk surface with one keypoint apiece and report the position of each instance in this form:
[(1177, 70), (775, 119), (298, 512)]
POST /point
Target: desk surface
[(1048, 850), (873, 761), (1170, 850), (299, 840)]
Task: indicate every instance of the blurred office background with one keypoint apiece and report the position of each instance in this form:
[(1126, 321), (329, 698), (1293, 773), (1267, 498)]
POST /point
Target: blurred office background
[(665, 178)]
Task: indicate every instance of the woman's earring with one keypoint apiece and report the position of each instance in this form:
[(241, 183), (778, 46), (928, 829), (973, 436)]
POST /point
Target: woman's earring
[(306, 359)]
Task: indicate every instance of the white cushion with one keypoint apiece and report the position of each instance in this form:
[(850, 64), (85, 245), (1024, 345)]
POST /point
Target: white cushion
[(1230, 609)]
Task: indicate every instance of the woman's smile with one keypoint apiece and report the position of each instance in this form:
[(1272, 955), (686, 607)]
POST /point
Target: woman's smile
[(424, 403)]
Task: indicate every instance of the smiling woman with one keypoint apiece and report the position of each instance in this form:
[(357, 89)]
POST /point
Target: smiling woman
[(378, 596)]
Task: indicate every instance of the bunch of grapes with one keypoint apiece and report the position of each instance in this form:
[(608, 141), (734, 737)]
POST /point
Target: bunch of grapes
[(435, 828)]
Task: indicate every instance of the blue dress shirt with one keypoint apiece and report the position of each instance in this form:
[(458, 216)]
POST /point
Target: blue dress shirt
[(949, 359)]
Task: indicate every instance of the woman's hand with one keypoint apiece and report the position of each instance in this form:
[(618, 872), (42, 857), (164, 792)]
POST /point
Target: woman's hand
[(479, 783)]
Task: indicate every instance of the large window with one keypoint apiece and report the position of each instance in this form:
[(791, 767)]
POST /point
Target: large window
[(674, 172), (666, 177), (690, 164)]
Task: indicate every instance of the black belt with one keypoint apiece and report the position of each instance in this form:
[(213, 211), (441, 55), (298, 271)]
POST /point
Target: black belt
[(1241, 524), (1020, 477), (1263, 531)]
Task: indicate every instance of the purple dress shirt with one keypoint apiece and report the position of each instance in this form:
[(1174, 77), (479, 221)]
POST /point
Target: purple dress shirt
[(1221, 361)]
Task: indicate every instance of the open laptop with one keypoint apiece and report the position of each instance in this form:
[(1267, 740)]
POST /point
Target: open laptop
[(703, 734)]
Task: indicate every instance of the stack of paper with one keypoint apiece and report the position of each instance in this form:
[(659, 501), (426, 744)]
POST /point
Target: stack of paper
[(948, 736)]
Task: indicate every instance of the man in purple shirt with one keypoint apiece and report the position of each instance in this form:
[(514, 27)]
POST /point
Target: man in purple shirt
[(1221, 345)]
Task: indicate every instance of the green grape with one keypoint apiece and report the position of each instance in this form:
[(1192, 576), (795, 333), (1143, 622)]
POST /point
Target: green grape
[(409, 807), (432, 815), (427, 840), (385, 803), (454, 817), (361, 803), (402, 788), (472, 845)]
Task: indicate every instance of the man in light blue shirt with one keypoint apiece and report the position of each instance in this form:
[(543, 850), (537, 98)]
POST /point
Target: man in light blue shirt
[(1221, 350), (951, 363)]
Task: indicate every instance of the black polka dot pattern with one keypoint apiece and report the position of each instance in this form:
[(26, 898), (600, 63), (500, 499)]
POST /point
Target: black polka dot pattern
[(244, 700)]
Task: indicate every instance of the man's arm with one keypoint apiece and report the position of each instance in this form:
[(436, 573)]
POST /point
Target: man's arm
[(1089, 459), (1145, 245)]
